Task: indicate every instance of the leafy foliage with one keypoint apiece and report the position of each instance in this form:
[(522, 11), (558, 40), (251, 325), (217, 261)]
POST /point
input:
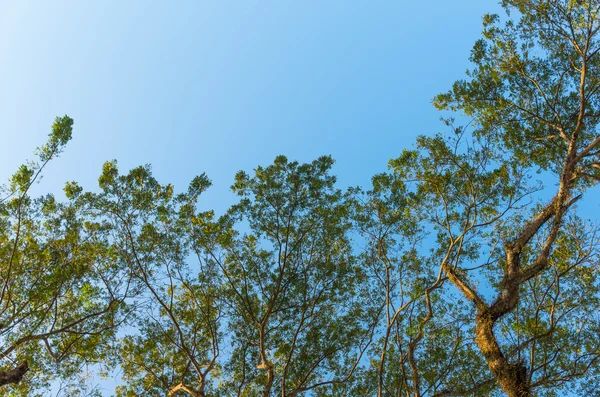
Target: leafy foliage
[(58, 298)]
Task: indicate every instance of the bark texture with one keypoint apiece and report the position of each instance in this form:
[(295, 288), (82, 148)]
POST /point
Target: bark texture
[(15, 375)]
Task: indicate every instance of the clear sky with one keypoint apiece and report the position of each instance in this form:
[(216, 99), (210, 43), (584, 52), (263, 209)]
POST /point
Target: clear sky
[(219, 86)]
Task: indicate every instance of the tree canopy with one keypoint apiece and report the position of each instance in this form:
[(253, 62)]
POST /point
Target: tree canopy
[(466, 269)]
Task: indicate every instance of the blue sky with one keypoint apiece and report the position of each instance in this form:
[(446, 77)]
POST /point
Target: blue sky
[(219, 86)]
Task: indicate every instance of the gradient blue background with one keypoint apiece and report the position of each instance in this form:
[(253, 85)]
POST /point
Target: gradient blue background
[(219, 86)]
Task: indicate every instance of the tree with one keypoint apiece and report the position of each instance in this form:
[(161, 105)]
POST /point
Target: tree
[(299, 315), (471, 199), (286, 292), (58, 298), (533, 96), (423, 344), (176, 343)]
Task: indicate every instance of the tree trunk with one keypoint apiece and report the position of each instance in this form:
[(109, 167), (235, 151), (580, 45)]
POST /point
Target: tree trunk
[(14, 375), (184, 388), (512, 378), (268, 366)]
